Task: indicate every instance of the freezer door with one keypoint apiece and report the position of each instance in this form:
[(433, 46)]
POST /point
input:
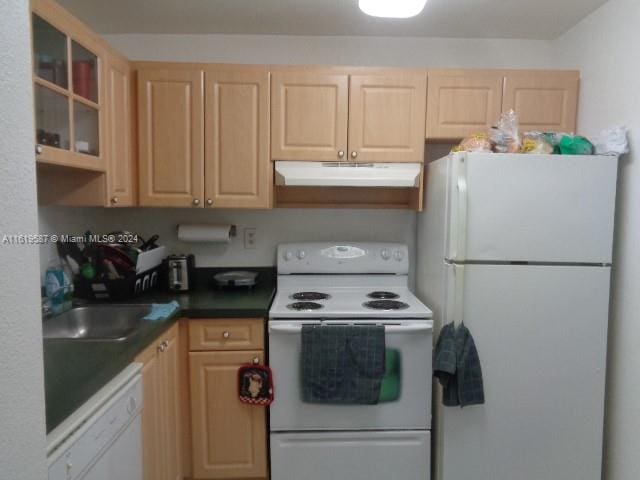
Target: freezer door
[(541, 333), (351, 456), (536, 208)]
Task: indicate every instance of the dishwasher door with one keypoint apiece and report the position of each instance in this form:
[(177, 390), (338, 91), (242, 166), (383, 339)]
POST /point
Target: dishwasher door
[(105, 442), (122, 460)]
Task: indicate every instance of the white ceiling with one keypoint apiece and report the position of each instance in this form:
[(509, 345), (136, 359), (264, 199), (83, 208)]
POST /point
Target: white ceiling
[(539, 19)]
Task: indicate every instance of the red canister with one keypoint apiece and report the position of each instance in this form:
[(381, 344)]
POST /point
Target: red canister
[(82, 73)]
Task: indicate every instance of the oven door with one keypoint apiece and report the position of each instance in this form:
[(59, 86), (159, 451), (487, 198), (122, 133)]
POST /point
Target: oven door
[(410, 408)]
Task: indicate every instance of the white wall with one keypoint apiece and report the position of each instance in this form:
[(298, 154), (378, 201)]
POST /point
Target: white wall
[(327, 50), (604, 47), (22, 425), (272, 227)]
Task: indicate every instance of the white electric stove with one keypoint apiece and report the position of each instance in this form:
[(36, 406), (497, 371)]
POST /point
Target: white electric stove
[(349, 284)]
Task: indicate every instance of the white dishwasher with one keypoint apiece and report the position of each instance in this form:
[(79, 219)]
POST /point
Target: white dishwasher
[(102, 440)]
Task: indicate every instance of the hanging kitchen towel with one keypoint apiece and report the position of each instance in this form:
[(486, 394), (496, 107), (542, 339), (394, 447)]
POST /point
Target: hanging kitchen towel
[(445, 365), (342, 364), (162, 311), (469, 371), (392, 378)]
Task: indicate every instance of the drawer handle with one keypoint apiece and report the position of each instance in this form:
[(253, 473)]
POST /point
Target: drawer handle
[(226, 335), (256, 361)]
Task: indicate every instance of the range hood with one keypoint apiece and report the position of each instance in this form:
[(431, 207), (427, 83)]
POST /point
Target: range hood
[(338, 174)]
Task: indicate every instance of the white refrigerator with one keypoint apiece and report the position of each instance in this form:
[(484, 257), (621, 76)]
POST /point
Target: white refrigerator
[(519, 247)]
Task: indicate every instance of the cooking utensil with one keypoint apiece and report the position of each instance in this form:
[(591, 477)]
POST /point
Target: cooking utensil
[(236, 278)]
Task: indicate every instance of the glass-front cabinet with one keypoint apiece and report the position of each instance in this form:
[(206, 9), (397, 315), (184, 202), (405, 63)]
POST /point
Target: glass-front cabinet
[(67, 73)]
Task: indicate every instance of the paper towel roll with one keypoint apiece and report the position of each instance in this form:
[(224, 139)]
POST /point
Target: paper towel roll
[(203, 232)]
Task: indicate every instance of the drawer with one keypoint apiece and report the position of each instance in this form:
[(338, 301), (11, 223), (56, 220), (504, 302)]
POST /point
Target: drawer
[(226, 334)]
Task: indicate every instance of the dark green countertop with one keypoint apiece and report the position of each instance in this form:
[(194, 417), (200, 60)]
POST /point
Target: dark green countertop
[(207, 301), (75, 370)]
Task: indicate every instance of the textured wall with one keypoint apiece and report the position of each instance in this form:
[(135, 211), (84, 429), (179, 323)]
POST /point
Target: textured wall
[(326, 50), (22, 430), (604, 47)]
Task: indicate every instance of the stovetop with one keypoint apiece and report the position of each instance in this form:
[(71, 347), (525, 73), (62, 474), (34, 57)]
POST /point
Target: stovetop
[(339, 280), (347, 302)]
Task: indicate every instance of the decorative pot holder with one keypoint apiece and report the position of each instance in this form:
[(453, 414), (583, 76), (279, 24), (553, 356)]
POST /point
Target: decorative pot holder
[(255, 385)]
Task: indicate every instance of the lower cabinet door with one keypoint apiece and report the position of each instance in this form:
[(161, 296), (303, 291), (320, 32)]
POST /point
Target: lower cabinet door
[(161, 453), (171, 406), (229, 437), (152, 464)]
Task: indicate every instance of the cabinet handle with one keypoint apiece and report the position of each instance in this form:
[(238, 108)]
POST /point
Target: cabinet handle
[(209, 201), (341, 154), (162, 347), (38, 149), (196, 202), (256, 360), (354, 154), (114, 200), (226, 335)]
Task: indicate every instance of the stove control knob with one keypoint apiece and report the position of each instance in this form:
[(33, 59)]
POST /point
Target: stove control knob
[(385, 254), (398, 255), (301, 254), (288, 255)]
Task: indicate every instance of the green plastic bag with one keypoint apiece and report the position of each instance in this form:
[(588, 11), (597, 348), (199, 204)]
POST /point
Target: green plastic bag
[(575, 145)]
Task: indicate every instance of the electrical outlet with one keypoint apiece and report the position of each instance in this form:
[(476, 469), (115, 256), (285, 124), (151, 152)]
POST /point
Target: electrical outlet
[(250, 238)]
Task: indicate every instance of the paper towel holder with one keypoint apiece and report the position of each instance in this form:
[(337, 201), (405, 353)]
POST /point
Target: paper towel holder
[(232, 230)]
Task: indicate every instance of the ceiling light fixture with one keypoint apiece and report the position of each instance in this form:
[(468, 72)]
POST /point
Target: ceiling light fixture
[(392, 8)]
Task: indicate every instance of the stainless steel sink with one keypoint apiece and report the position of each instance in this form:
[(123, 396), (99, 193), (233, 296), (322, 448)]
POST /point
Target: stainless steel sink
[(97, 322)]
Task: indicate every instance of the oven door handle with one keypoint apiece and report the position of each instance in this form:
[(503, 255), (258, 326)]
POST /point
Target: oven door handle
[(387, 328)]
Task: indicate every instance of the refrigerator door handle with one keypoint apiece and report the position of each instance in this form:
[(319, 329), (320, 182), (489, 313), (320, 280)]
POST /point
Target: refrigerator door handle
[(461, 226), (458, 309)]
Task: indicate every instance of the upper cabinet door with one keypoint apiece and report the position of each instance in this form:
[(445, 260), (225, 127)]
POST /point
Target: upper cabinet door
[(121, 172), (462, 103), (238, 168), (544, 101), (387, 117), (171, 142), (309, 114), (69, 99)]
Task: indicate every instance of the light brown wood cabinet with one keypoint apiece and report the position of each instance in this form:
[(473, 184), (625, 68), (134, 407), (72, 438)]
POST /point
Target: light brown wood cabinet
[(83, 110), (545, 101), (229, 438), (121, 169), (461, 103), (321, 116), (182, 164), (309, 114), (387, 117), (161, 412), (238, 172), (69, 99), (171, 137)]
